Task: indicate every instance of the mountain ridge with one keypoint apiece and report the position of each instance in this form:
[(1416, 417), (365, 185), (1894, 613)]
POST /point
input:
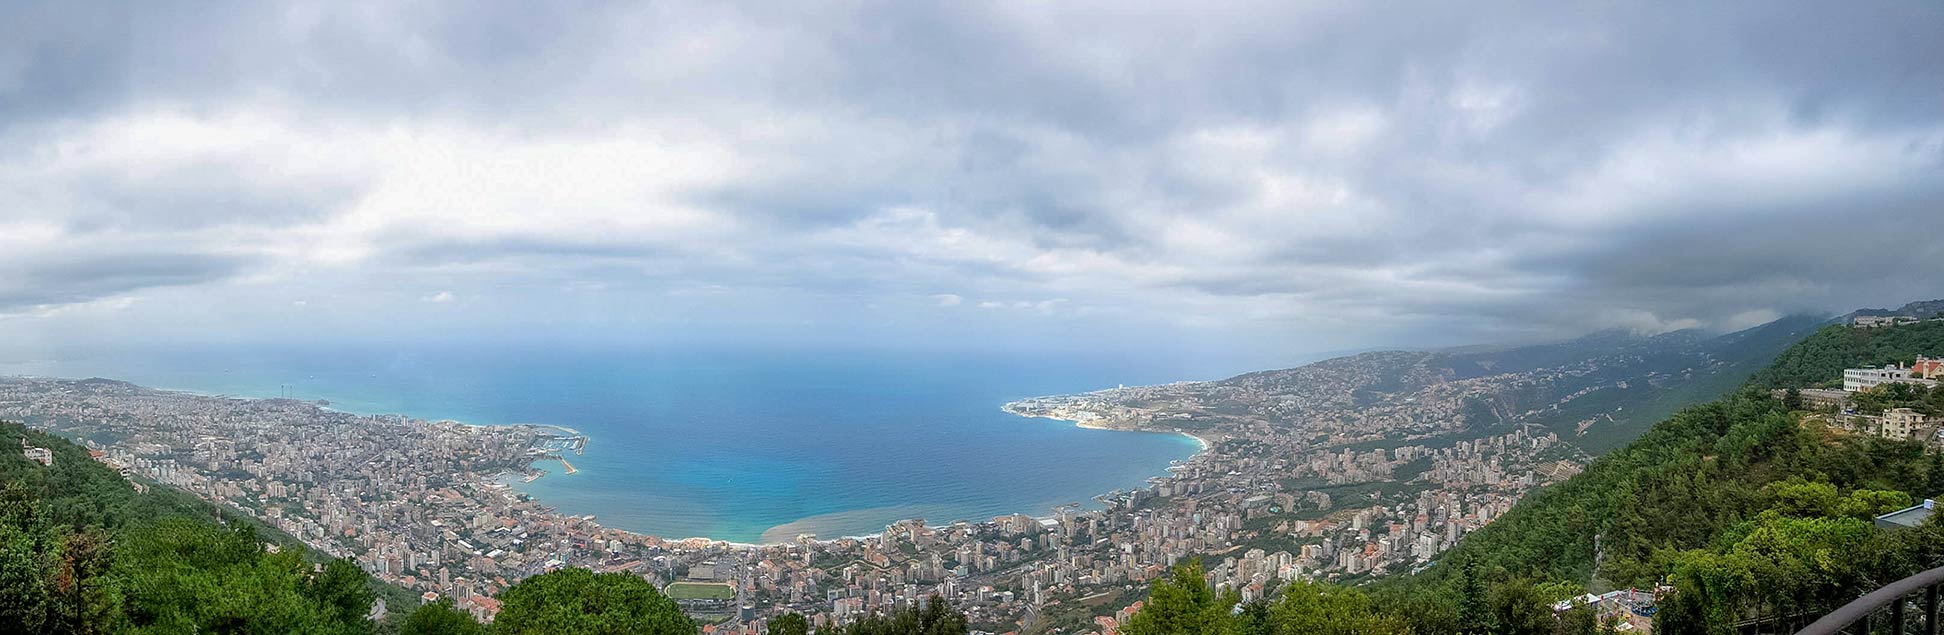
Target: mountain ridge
[(1599, 389)]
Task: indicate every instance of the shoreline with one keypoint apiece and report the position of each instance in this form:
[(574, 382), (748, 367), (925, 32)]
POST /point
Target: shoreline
[(1089, 425), (510, 480)]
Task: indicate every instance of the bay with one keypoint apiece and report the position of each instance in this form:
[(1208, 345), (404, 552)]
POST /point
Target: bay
[(741, 445)]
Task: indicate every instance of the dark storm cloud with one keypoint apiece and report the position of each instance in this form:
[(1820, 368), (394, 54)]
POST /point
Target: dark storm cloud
[(1517, 167)]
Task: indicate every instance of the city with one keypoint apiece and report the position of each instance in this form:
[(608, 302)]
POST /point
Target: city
[(1370, 487)]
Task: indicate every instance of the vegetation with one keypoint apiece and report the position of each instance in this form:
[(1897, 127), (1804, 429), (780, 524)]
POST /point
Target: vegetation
[(1183, 604), (1739, 508), (1819, 360), (1739, 505), (81, 551), (790, 624), (1887, 396), (934, 618), (581, 601), (440, 618)]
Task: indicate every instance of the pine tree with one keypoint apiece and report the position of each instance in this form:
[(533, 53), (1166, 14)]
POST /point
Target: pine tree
[(1473, 608), (440, 618), (86, 597), (789, 624)]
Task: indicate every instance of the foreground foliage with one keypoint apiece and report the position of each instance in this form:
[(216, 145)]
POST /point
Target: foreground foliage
[(1182, 603), (934, 618), (581, 601), (82, 552)]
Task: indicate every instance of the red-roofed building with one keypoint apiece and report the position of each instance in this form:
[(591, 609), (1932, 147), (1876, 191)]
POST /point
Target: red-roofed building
[(1928, 368), (484, 608)]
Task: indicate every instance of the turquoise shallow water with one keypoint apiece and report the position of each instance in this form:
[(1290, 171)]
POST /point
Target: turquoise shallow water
[(732, 444)]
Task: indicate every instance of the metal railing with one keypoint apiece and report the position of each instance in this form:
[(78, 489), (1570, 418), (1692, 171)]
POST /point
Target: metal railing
[(1916, 595)]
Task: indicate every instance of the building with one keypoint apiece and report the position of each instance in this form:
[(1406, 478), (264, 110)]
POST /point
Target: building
[(1901, 424), (43, 456), (1927, 368), (1911, 516), (1874, 321), (1824, 398), (1861, 379)]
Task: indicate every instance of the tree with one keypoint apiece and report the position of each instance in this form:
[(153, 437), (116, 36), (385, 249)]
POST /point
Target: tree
[(1254, 619), (1792, 398), (1580, 620), (86, 598), (342, 594), (187, 576), (1183, 604), (1308, 608), (1471, 597), (789, 624), (440, 618), (578, 601), (23, 558), (935, 618), (1518, 609), (1427, 613), (23, 592)]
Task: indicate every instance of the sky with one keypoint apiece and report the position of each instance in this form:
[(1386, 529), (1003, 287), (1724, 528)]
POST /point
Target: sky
[(1260, 179)]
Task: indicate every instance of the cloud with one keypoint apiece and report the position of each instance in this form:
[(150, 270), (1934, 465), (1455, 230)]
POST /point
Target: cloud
[(441, 297), (1329, 175)]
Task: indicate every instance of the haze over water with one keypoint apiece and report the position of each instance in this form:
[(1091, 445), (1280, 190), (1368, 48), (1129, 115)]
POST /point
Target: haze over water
[(736, 445)]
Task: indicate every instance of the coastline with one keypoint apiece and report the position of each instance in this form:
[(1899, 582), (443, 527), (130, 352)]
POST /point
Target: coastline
[(509, 480), (1203, 446), (1090, 425)]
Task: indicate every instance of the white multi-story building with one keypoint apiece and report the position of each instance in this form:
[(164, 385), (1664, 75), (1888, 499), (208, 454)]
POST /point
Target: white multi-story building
[(1871, 321), (1861, 379)]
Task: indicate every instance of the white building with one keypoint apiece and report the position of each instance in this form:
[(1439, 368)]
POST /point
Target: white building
[(1869, 321), (1861, 379)]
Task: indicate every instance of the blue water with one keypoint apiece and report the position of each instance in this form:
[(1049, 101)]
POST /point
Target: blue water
[(739, 445)]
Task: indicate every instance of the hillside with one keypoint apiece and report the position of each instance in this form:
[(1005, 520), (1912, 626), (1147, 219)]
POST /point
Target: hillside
[(1734, 513), (1598, 391), (1924, 309), (1621, 384), (1682, 502), (1819, 360), (146, 539)]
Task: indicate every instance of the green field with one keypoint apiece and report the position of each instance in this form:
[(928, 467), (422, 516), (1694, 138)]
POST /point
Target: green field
[(700, 591)]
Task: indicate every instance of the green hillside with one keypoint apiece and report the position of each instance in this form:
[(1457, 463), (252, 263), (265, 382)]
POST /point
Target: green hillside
[(1686, 502), (1819, 360), (83, 551), (1744, 508)]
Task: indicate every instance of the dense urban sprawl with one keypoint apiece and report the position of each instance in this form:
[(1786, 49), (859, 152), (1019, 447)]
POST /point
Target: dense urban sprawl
[(1339, 470)]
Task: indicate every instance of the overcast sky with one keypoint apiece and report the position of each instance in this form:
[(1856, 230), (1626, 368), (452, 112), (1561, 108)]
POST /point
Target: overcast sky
[(1271, 178)]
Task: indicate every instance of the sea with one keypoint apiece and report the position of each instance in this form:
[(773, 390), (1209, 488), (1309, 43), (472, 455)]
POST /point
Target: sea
[(755, 446)]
